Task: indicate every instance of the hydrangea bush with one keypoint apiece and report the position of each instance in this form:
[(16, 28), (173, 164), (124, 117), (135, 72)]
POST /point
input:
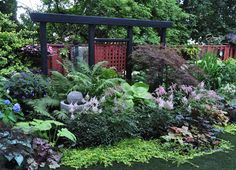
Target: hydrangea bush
[(10, 112), (26, 85)]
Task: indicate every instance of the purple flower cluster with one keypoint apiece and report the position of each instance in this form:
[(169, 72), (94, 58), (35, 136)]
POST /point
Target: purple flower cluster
[(7, 102), (231, 38), (16, 108), (183, 94), (167, 104)]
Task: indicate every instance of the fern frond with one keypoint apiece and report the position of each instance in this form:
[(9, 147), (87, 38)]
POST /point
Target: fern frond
[(103, 84), (60, 84), (41, 106), (84, 68), (67, 65), (97, 67), (81, 79), (60, 115)]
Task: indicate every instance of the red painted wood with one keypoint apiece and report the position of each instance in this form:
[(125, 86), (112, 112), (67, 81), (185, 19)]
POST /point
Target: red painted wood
[(113, 52), (227, 50), (54, 59)]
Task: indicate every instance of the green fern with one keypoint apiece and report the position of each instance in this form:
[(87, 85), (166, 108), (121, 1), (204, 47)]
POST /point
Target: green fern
[(83, 68), (41, 106), (60, 85), (96, 69), (103, 84), (89, 80), (61, 115)]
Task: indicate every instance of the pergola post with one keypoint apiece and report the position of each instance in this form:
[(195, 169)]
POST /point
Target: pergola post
[(91, 38), (129, 52), (43, 46), (163, 37)]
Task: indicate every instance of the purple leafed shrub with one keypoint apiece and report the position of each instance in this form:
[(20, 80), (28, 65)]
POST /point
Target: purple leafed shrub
[(164, 66)]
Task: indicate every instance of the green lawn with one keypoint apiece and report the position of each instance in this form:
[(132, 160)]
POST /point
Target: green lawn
[(216, 161)]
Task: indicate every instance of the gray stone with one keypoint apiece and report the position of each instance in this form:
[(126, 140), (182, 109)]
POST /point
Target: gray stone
[(75, 97), (71, 108)]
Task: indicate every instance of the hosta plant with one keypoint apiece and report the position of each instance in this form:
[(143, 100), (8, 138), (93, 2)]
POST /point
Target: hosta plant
[(49, 129)]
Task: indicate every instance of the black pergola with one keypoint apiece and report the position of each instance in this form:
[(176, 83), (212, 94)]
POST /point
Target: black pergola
[(92, 21)]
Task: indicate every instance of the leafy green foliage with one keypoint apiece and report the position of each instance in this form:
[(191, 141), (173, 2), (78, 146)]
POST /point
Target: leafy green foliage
[(64, 132), (190, 52), (43, 127), (212, 66), (3, 82), (231, 128), (152, 122), (135, 93), (42, 106), (229, 71), (59, 91), (10, 43), (219, 72), (111, 125), (213, 18), (37, 125), (9, 7), (228, 92), (134, 150)]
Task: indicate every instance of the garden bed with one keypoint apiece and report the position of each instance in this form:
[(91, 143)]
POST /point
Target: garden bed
[(171, 113)]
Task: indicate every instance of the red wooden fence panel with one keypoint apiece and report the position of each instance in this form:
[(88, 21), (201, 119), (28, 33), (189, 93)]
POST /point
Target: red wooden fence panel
[(227, 51), (54, 58), (113, 52)]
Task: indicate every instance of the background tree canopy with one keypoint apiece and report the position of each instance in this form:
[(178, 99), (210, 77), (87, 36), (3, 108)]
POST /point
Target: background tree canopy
[(140, 9), (193, 19), (213, 17), (9, 7)]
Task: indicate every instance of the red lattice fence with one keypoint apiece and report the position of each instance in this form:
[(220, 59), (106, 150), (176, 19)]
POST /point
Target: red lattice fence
[(113, 52)]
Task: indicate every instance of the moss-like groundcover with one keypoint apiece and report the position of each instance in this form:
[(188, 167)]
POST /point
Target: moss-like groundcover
[(135, 150)]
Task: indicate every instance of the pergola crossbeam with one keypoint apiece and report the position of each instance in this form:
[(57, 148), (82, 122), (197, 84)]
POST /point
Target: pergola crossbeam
[(92, 21)]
